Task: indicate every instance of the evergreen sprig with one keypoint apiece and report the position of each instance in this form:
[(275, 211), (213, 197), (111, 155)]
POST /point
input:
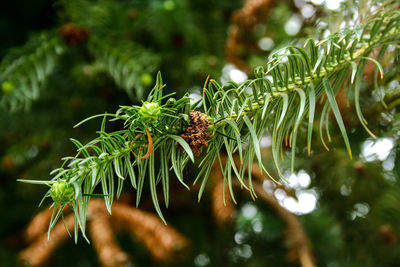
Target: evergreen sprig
[(126, 62), (22, 76), (277, 100)]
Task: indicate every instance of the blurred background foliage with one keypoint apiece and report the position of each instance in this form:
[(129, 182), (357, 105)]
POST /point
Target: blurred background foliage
[(349, 208)]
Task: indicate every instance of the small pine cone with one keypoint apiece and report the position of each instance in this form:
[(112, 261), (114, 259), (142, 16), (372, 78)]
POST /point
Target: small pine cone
[(197, 135), (73, 34)]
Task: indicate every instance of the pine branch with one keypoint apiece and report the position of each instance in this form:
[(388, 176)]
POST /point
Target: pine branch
[(234, 118), (25, 71), (127, 63)]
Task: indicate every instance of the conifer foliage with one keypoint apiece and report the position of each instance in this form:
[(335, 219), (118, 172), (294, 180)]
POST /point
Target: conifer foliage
[(292, 97), (277, 100)]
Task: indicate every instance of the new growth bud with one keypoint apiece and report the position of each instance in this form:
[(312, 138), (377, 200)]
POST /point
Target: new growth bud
[(7, 87), (62, 192), (150, 111), (146, 79)]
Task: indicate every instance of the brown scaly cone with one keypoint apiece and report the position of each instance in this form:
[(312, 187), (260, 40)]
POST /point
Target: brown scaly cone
[(197, 135), (73, 34)]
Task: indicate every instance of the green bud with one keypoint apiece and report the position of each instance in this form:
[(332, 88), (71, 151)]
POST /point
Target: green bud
[(62, 192), (171, 101), (146, 79), (7, 87), (169, 5), (150, 111)]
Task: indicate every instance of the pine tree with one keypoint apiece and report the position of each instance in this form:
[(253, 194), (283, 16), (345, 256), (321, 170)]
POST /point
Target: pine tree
[(335, 89)]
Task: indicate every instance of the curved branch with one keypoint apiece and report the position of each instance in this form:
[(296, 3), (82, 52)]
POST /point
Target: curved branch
[(41, 249), (108, 251), (163, 242)]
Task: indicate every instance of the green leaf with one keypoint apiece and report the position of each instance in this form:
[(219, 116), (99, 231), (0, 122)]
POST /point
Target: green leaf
[(164, 172), (302, 96), (118, 168), (183, 143), (357, 87), (323, 122), (153, 190), (236, 132), (266, 102), (176, 166), (129, 168), (229, 182), (93, 117), (57, 211), (255, 143), (311, 109), (35, 181), (336, 112), (376, 63), (142, 166), (232, 162), (285, 102)]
